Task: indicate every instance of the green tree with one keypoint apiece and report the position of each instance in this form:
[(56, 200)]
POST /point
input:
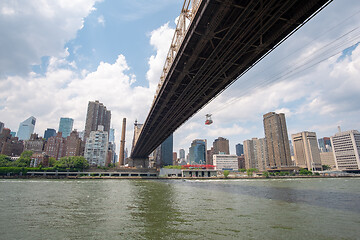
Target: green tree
[(326, 167), (80, 162), (4, 160), (52, 161), (266, 174), (226, 173), (173, 167), (76, 162), (242, 170), (24, 159), (304, 171), (251, 171)]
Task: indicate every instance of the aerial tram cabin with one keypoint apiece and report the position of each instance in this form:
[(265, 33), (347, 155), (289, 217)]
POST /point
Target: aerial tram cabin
[(208, 120)]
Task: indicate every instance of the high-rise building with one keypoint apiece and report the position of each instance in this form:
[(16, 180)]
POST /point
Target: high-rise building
[(197, 152), (112, 135), (73, 144), (34, 144), (112, 147), (55, 146), (241, 161), (182, 153), (1, 126), (239, 149), (327, 158), (13, 134), (26, 128), (96, 147), (306, 151), (221, 145), (209, 156), (65, 126), (291, 148), (137, 131), (255, 153), (346, 149), (50, 132), (277, 140), (325, 144), (174, 158), (10, 145), (164, 153), (97, 114)]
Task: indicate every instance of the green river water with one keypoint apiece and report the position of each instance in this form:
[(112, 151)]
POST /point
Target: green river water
[(180, 209)]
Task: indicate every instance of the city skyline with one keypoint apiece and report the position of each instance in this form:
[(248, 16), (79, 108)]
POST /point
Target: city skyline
[(318, 100)]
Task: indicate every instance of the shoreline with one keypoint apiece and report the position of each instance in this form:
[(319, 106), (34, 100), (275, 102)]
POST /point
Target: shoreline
[(171, 178)]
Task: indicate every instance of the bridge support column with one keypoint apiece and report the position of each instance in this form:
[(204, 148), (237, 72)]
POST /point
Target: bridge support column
[(139, 162)]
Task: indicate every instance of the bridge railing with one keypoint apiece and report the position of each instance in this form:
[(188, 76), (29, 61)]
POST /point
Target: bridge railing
[(187, 14)]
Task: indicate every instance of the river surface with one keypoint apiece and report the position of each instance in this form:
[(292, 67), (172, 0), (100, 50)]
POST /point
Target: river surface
[(180, 209)]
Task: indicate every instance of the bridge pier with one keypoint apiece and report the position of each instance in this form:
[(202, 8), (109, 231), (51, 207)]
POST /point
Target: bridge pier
[(139, 162)]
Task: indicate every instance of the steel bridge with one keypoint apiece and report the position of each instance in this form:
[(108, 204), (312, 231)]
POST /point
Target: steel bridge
[(215, 43)]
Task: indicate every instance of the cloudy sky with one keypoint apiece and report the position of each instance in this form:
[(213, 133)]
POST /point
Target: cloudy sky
[(55, 56)]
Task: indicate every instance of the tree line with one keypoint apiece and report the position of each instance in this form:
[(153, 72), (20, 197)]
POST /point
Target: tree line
[(24, 162)]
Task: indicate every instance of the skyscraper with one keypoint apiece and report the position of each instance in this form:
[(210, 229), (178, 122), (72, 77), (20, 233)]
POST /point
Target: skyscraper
[(1, 126), (239, 149), (221, 145), (182, 154), (197, 152), (167, 151), (277, 140), (65, 126), (50, 132), (164, 153), (26, 128), (346, 149), (112, 135), (306, 150), (97, 114)]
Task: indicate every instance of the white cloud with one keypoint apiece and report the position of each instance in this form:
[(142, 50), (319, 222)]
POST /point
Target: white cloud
[(101, 20), (31, 30), (160, 39), (64, 92)]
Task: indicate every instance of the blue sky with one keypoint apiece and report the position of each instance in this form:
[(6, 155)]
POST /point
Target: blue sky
[(55, 56)]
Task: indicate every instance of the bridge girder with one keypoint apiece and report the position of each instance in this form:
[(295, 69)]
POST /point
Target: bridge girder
[(224, 40)]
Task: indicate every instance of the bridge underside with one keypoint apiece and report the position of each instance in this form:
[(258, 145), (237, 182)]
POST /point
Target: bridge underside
[(224, 40)]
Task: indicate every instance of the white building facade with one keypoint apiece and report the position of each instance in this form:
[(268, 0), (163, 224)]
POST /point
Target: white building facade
[(96, 147), (346, 149), (225, 162)]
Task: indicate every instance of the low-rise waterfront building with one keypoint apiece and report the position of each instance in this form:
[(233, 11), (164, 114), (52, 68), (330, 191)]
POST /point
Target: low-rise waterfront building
[(225, 162), (199, 173)]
